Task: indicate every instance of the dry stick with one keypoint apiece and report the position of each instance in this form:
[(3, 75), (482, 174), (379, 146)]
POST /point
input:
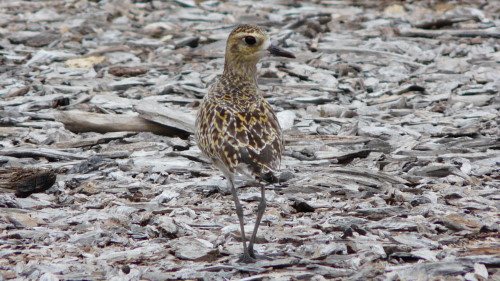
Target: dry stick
[(398, 57), (48, 153), (79, 121), (414, 32), (167, 116)]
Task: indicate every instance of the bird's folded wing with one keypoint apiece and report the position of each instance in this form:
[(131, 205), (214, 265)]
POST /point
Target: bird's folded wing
[(249, 138)]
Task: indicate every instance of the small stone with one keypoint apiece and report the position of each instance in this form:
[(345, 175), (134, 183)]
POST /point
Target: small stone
[(87, 62), (188, 248)]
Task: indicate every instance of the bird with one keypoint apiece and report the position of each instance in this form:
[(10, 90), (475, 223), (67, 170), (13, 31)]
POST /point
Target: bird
[(236, 127)]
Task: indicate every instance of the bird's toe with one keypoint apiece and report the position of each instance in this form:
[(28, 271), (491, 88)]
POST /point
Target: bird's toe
[(246, 258)]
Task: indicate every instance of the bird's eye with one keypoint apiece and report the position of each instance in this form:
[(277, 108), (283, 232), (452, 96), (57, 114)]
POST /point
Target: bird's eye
[(250, 40)]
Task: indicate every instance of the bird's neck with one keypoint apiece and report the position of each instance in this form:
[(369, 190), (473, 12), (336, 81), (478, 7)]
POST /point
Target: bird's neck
[(242, 70)]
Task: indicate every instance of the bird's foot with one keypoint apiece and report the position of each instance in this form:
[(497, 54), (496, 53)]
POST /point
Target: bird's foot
[(247, 258)]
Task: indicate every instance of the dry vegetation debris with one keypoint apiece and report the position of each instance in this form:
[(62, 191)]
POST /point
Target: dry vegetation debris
[(391, 115)]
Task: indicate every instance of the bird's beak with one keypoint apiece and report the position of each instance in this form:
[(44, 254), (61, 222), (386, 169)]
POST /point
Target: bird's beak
[(277, 51)]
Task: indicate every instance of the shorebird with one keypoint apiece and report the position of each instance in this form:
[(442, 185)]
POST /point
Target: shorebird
[(236, 127)]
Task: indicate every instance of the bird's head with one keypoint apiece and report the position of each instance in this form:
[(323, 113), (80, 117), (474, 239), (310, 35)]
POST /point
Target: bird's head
[(247, 44)]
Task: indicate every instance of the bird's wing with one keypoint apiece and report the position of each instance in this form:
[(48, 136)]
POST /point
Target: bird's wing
[(250, 138)]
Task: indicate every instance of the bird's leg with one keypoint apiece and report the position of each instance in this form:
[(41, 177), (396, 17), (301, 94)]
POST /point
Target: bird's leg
[(260, 212), (247, 256)]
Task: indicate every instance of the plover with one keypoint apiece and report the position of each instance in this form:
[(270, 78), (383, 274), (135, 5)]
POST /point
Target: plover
[(236, 127)]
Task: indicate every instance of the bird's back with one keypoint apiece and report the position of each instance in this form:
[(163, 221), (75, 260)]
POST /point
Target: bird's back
[(238, 130)]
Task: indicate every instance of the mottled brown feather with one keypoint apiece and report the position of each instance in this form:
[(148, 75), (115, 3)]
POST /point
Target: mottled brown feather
[(235, 125), (238, 131)]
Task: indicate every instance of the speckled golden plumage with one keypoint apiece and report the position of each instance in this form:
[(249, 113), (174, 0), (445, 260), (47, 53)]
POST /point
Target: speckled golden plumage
[(236, 127)]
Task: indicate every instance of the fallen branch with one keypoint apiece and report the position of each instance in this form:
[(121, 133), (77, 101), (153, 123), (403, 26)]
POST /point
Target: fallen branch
[(415, 32), (79, 122), (396, 57), (166, 116)]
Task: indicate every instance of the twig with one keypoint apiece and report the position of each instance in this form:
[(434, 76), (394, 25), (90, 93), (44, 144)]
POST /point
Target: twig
[(414, 32), (398, 57)]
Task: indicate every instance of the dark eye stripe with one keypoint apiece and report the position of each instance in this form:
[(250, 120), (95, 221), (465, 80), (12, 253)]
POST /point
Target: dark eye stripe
[(250, 40)]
